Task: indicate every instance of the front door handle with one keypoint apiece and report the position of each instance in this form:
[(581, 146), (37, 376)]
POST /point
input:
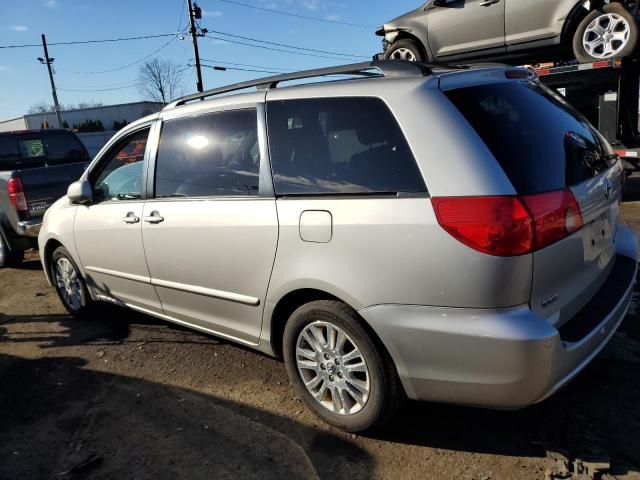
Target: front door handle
[(488, 3), (131, 218), (154, 217)]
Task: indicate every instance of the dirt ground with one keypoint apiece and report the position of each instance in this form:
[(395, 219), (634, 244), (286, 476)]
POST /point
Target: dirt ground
[(127, 396)]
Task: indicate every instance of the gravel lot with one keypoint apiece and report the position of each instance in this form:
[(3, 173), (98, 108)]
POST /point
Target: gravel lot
[(128, 396)]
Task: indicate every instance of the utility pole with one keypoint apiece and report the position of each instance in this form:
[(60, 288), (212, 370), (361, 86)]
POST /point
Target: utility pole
[(48, 61), (195, 14)]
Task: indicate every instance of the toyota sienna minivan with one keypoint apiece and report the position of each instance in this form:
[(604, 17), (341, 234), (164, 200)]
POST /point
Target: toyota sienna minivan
[(441, 234)]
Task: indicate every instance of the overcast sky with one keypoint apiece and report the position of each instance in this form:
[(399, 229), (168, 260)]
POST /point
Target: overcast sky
[(24, 81)]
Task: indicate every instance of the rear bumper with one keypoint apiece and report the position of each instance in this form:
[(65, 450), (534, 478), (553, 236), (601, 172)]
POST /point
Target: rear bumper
[(507, 358), (29, 228)]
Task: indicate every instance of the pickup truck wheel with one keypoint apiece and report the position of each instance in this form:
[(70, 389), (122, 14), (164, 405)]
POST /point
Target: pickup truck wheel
[(337, 368), (404, 49), (9, 258), (606, 33), (69, 283)]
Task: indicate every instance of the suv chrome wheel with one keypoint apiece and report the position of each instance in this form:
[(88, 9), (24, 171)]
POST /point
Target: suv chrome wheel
[(403, 54), (606, 35), (333, 368), (68, 283)]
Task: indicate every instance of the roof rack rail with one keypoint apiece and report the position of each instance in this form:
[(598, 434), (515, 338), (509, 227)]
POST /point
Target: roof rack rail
[(386, 68)]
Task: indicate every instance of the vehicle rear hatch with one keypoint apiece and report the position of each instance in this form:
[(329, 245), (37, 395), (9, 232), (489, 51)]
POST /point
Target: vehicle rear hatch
[(566, 176)]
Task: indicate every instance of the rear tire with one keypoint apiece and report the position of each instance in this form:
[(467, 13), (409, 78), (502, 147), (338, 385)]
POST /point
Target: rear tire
[(69, 283), (342, 375), (404, 49), (9, 258), (619, 37)]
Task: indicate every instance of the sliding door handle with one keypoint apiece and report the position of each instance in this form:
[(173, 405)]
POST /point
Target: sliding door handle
[(131, 218), (154, 217)]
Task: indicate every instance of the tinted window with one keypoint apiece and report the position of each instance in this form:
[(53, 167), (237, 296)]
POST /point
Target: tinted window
[(120, 175), (541, 143), (339, 146), (209, 155), (39, 149), (9, 152), (63, 147)]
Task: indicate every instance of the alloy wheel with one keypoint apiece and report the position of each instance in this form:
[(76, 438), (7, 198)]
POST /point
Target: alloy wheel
[(606, 35), (332, 368), (68, 283), (403, 54)]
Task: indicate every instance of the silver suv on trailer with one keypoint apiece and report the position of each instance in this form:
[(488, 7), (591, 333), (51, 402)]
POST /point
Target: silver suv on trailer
[(443, 234)]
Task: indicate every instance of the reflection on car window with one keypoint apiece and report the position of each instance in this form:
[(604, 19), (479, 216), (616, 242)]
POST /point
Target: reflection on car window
[(541, 143), (209, 155), (339, 146), (121, 176)]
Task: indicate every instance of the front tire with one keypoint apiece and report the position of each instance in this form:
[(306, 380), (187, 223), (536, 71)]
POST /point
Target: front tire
[(337, 368), (69, 284), (606, 33), (404, 49)]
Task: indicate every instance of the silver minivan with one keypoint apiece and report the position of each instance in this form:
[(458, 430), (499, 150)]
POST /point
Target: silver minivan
[(441, 234)]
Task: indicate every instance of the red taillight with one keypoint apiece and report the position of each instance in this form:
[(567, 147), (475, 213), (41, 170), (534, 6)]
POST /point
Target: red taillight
[(556, 215), (16, 195), (495, 225), (507, 226)]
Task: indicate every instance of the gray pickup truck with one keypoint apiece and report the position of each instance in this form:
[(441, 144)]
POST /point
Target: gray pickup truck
[(36, 166)]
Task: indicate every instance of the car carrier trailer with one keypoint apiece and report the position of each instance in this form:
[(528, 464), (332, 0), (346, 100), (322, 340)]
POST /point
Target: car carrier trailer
[(607, 94)]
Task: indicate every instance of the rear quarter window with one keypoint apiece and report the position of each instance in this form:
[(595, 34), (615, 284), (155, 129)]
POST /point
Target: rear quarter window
[(339, 146), (541, 142)]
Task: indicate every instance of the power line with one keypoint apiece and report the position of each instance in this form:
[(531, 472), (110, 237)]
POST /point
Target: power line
[(223, 68), (264, 47), (131, 64), (84, 42), (99, 89), (180, 27), (267, 42), (222, 62), (297, 15)]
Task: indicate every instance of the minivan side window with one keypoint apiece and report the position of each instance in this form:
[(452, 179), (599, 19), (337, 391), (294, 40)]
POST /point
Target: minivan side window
[(120, 176), (339, 146), (215, 154)]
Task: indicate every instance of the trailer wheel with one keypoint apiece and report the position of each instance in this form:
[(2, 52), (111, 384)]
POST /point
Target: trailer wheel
[(606, 33)]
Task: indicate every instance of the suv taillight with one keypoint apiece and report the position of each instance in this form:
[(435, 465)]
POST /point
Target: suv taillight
[(507, 226), (16, 195)]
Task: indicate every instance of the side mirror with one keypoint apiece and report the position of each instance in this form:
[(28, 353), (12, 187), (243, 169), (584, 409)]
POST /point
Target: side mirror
[(438, 3), (80, 192)]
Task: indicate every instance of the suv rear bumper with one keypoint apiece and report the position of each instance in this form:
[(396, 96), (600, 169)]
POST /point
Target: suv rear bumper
[(506, 358)]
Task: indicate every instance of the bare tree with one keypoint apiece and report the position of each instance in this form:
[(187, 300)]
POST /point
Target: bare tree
[(41, 107), (160, 80)]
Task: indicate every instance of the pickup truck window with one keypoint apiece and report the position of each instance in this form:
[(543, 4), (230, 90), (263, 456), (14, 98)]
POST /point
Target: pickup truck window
[(40, 149), (119, 176), (9, 153)]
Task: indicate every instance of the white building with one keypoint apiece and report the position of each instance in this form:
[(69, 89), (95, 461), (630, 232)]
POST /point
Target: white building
[(108, 115)]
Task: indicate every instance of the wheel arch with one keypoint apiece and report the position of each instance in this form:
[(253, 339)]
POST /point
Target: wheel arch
[(576, 16), (47, 253), (294, 299), (406, 35)]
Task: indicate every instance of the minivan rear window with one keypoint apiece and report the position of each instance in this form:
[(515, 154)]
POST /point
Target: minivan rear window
[(541, 142)]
